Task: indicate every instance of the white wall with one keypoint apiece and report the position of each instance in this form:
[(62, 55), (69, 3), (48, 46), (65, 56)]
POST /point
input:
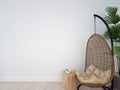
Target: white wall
[(40, 38)]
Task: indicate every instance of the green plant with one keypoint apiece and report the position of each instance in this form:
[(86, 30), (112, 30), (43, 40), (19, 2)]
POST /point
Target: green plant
[(113, 20)]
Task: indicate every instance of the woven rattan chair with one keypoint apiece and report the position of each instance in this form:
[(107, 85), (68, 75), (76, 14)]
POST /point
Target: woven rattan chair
[(99, 54)]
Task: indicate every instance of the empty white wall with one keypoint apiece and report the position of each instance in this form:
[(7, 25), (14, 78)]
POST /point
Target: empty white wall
[(40, 38)]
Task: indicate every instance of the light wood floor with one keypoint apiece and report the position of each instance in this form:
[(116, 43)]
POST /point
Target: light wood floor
[(35, 86)]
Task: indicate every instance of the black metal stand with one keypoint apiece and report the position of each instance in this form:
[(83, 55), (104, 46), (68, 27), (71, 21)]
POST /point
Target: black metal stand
[(107, 88), (110, 33), (78, 86)]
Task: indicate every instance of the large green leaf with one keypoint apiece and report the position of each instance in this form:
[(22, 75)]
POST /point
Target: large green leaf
[(115, 30), (111, 10), (112, 16), (112, 19), (116, 50)]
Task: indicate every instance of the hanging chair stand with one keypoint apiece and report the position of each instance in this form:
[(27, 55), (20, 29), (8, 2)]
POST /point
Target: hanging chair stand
[(104, 87), (109, 30)]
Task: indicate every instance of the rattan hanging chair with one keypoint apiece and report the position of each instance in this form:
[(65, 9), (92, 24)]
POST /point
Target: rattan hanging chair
[(99, 54)]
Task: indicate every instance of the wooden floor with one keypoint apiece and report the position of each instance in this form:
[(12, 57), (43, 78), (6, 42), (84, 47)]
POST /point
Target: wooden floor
[(35, 86)]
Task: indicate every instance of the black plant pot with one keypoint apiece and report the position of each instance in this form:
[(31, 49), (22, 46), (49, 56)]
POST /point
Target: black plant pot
[(119, 72)]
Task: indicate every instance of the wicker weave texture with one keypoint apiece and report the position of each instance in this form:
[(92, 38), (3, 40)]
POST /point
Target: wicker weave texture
[(98, 53)]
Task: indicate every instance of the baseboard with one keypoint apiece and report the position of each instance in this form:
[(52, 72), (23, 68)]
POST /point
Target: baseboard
[(30, 78)]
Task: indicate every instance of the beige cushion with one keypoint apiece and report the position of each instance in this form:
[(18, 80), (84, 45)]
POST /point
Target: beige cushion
[(94, 75)]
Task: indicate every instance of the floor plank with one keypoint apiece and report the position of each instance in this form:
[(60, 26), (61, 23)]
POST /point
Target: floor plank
[(36, 86)]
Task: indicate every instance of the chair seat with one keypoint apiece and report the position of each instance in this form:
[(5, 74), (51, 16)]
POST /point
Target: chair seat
[(94, 75)]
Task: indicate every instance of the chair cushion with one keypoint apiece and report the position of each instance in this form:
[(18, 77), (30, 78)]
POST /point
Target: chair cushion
[(94, 75)]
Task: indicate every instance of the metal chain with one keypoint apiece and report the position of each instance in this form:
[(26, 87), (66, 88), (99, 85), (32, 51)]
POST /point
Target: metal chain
[(95, 25)]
